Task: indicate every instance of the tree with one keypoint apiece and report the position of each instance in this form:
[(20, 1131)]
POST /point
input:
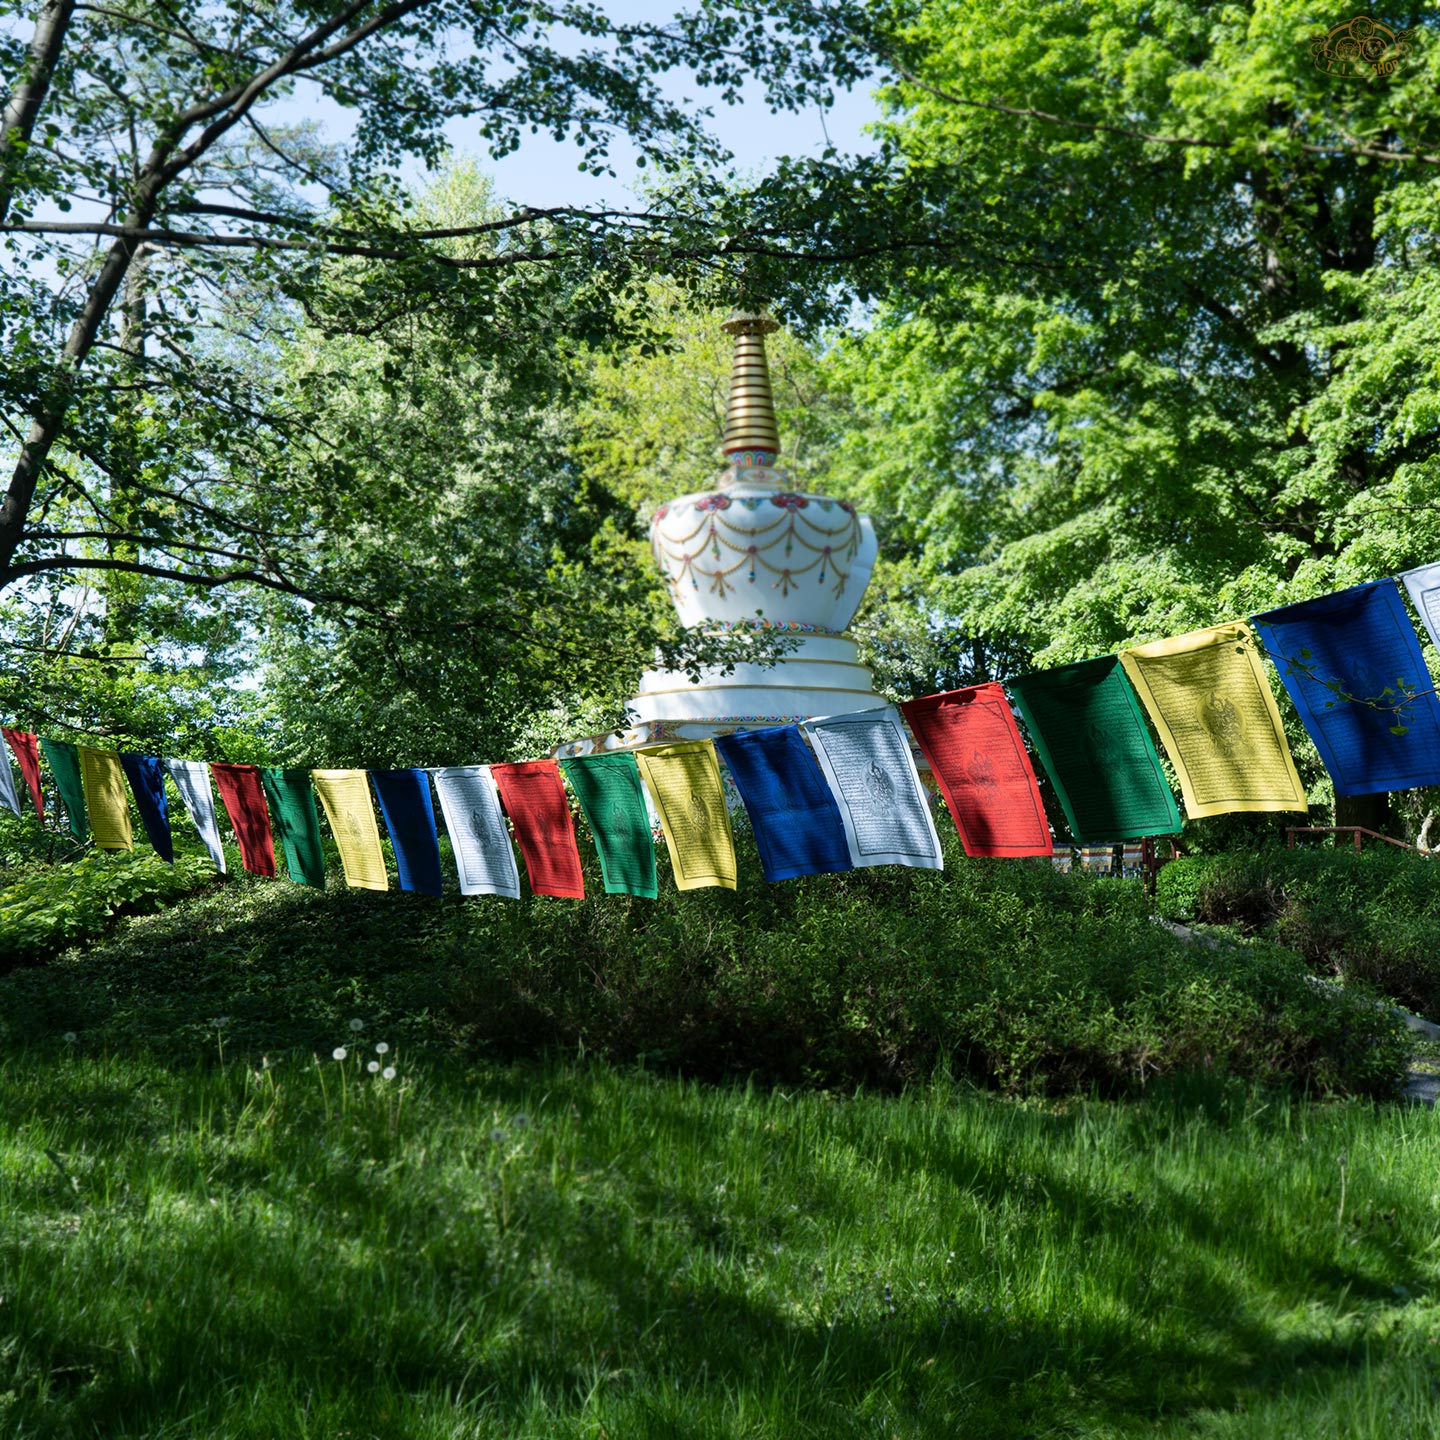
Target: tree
[(148, 126), (1197, 379)]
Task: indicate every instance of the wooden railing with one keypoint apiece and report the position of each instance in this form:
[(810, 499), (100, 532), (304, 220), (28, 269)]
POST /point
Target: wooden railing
[(1292, 831)]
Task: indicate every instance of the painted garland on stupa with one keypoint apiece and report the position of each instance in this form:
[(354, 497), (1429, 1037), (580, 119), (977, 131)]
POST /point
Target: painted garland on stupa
[(830, 549)]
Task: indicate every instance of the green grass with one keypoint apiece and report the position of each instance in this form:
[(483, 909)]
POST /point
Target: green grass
[(575, 1250)]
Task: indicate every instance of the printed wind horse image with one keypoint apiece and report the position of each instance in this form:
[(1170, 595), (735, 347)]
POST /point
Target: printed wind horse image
[(880, 787), (1222, 722)]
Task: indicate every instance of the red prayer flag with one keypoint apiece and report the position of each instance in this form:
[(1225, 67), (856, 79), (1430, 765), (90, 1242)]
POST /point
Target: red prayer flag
[(534, 799), (973, 745), (27, 752), (244, 797)]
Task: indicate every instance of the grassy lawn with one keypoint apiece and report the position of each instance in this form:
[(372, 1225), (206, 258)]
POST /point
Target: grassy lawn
[(303, 1249), (210, 1226)]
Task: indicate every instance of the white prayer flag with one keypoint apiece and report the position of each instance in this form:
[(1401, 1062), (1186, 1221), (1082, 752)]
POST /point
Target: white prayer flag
[(192, 780), (8, 796), (866, 758), (484, 856), (1423, 586)]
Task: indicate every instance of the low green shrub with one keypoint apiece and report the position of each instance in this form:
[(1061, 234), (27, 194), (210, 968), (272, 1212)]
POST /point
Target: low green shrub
[(1000, 970), (1372, 916), (53, 906)]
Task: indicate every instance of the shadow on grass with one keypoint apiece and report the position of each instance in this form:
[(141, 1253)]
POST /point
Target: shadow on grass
[(358, 1282)]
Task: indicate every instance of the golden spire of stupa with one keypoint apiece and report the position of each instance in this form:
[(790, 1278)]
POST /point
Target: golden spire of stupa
[(751, 434)]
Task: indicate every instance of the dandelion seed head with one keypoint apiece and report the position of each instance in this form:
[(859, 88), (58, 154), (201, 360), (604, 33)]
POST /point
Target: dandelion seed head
[(388, 1073), (357, 1025), (373, 1067), (383, 1048), (69, 1037), (339, 1052)]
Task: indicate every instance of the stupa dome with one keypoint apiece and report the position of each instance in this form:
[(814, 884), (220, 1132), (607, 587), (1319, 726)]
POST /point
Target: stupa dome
[(754, 553)]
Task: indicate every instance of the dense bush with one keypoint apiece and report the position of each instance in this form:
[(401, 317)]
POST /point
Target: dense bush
[(53, 906), (1001, 970), (1373, 916)]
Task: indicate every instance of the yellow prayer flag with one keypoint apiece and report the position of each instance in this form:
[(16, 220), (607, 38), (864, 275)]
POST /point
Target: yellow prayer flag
[(1210, 700), (685, 787), (106, 799), (345, 794)]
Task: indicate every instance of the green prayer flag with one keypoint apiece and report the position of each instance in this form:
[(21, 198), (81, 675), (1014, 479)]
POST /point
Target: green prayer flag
[(609, 790), (293, 818), (64, 761), (1086, 722)]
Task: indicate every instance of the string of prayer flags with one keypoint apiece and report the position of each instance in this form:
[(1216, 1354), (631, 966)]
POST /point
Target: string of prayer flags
[(345, 794), (146, 774), (534, 798), (978, 758), (1207, 695), (1087, 726), (1423, 586), (689, 796), (27, 756), (609, 790), (292, 816), (1352, 664), (192, 780), (106, 800), (404, 797), (866, 759), (795, 818), (64, 762), (484, 856), (9, 797), (244, 800)]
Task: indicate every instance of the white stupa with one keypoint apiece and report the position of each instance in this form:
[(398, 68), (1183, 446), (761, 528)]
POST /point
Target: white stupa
[(753, 543)]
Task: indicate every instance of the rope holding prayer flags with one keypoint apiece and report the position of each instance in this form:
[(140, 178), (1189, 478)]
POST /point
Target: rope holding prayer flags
[(797, 824), (685, 786), (1361, 641), (970, 739), (64, 762), (146, 774), (404, 797), (1207, 695), (292, 815), (534, 798), (103, 781), (866, 759), (27, 756), (345, 794), (192, 780), (244, 800), (1088, 728), (484, 856), (610, 793)]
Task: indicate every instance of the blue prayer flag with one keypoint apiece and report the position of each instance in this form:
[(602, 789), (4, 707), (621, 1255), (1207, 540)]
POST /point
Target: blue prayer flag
[(1359, 643), (796, 820), (410, 819), (146, 774)]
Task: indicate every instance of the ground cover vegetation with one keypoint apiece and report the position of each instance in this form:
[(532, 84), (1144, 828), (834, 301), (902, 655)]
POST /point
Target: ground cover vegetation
[(287, 1162), (1004, 973), (1372, 917)]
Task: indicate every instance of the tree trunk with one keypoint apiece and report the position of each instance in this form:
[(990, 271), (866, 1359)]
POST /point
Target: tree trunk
[(122, 587), (1371, 811), (17, 123)]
